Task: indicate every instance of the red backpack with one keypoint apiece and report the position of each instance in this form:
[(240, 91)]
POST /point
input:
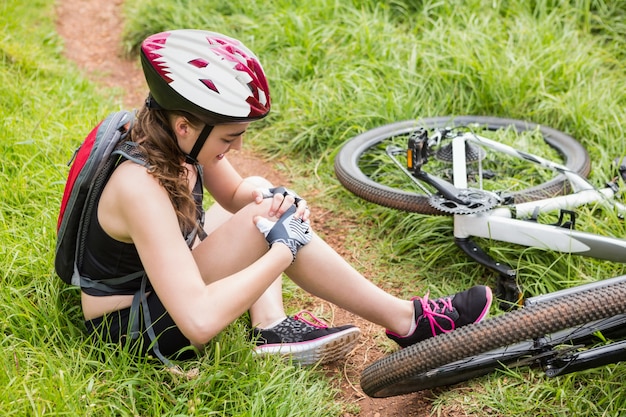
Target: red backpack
[(91, 165)]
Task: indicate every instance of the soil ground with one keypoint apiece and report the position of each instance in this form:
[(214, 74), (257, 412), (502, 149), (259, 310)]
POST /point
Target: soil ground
[(91, 31)]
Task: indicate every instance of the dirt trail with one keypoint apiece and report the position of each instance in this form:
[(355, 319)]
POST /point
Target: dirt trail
[(91, 30)]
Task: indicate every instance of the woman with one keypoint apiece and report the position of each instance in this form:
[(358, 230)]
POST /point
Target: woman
[(205, 90)]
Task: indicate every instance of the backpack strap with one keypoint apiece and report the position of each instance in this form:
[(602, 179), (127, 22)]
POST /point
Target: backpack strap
[(130, 150), (140, 301)]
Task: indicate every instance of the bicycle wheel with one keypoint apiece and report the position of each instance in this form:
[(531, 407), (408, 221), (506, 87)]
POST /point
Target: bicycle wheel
[(481, 348), (364, 168)]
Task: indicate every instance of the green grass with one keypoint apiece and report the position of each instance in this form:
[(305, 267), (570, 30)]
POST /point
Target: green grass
[(335, 69)]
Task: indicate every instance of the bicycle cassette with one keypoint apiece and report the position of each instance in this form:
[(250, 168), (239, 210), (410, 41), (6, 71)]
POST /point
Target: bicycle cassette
[(471, 201), (473, 153)]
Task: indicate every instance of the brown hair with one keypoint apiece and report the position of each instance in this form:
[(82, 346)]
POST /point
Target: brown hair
[(157, 141)]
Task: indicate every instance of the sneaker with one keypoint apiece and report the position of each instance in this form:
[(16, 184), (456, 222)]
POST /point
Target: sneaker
[(306, 341), (445, 314)]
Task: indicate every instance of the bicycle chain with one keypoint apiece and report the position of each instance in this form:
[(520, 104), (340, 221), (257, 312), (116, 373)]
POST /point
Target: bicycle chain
[(478, 201)]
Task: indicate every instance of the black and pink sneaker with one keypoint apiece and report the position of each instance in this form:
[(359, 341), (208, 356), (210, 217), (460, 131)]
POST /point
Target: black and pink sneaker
[(445, 314), (305, 341)]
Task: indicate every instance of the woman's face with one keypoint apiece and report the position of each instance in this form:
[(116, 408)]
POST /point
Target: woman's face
[(221, 140)]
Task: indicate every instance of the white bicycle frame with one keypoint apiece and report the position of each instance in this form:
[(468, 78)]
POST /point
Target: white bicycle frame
[(510, 223)]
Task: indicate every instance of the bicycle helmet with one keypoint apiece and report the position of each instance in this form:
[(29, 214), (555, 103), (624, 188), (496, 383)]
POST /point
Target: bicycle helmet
[(212, 76)]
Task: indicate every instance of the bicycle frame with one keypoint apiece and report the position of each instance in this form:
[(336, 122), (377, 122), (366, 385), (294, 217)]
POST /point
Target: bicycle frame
[(511, 222), (506, 225), (515, 223)]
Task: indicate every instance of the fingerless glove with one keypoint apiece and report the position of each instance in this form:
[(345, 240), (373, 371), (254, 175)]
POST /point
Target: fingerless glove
[(287, 230)]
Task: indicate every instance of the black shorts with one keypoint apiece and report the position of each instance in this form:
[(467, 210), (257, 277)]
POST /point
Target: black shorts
[(116, 328)]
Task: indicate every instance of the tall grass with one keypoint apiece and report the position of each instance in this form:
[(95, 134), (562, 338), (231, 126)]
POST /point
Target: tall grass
[(336, 68)]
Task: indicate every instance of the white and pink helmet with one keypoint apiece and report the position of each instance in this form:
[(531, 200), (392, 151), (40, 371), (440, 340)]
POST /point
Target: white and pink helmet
[(207, 74)]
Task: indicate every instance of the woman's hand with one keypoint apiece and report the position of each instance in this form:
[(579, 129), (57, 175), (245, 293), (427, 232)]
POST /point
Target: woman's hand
[(282, 199), (288, 230)]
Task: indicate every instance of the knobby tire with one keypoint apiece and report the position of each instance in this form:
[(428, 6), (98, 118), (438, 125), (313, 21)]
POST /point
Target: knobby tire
[(415, 367)]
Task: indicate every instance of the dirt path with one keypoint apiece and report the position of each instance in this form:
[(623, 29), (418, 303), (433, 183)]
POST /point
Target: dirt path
[(91, 30)]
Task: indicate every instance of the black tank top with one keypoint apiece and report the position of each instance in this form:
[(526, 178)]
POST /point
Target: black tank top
[(107, 261)]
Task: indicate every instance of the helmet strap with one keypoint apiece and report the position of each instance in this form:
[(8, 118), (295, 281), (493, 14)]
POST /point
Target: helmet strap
[(192, 157)]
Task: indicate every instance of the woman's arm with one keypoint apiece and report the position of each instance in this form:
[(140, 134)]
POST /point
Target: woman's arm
[(145, 217), (227, 187), (232, 192)]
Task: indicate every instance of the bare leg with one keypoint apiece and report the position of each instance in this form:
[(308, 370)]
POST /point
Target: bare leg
[(269, 307), (323, 272), (318, 269)]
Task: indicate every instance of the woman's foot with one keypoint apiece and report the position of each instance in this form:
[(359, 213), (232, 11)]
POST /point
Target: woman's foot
[(433, 317), (305, 341)]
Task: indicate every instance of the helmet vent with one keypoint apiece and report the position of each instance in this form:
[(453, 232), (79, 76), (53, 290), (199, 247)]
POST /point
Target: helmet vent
[(210, 84), (199, 63)]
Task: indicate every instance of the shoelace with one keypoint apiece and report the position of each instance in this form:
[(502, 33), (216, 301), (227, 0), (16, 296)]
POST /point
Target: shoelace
[(431, 310), (315, 321)]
